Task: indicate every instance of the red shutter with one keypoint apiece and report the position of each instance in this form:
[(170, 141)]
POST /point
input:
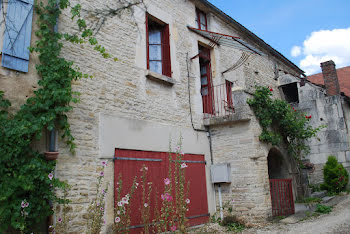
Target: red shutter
[(147, 41), (166, 63)]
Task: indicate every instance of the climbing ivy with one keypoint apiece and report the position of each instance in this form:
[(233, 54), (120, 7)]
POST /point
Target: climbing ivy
[(281, 123), (27, 185)]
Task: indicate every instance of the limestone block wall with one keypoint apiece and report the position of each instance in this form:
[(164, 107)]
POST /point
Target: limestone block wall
[(238, 144)]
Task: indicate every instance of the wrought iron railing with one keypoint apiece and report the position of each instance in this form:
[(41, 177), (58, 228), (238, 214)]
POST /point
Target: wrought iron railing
[(217, 101)]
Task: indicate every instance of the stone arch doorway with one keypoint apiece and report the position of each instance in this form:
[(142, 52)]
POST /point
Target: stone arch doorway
[(281, 188), (277, 165)]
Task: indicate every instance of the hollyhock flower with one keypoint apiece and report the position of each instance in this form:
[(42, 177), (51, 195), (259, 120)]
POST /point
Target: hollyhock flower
[(23, 204), (59, 220), (101, 208), (146, 168), (187, 201), (50, 176), (183, 165), (166, 181), (26, 204), (118, 212), (162, 197), (104, 163), (145, 205), (97, 204), (120, 203), (232, 201), (173, 228), (102, 174), (117, 219), (125, 200), (177, 148), (271, 89)]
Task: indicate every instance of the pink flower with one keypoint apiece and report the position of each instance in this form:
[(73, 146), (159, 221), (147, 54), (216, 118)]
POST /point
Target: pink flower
[(102, 174), (120, 203), (104, 163), (187, 201), (173, 228), (145, 205), (125, 200), (50, 176), (166, 181), (232, 201), (59, 220), (101, 208), (23, 204), (166, 197), (117, 219), (183, 165)]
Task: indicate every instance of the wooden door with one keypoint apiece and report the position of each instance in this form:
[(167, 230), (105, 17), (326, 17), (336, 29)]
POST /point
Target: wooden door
[(207, 90), (128, 164)]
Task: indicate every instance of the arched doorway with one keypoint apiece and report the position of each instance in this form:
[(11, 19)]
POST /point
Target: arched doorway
[(280, 184), (278, 167)]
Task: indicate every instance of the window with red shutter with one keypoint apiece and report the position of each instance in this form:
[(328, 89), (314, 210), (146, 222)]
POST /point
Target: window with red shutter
[(201, 20), (158, 46)]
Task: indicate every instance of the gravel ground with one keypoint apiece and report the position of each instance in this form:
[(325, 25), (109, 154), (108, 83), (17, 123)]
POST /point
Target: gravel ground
[(338, 222)]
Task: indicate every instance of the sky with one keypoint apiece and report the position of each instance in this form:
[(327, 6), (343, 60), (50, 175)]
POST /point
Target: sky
[(307, 32)]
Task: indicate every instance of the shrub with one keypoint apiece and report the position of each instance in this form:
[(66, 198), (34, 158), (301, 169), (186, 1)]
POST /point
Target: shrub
[(323, 209), (335, 176), (233, 223)]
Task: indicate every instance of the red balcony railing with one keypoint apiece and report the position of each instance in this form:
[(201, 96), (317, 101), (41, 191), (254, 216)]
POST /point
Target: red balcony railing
[(217, 100)]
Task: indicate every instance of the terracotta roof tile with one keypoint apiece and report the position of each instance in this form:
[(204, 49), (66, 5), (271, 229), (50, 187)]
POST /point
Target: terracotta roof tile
[(343, 78)]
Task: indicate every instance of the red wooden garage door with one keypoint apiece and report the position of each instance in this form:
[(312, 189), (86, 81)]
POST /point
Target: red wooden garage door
[(129, 162)]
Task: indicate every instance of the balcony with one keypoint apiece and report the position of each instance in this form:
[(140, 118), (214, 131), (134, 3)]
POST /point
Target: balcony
[(224, 103)]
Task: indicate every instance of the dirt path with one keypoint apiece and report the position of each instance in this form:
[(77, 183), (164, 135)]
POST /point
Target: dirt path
[(338, 221)]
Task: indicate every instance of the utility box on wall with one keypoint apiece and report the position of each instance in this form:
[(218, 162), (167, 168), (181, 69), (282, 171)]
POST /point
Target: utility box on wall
[(221, 173)]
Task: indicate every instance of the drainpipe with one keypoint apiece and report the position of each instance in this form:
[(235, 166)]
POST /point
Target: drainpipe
[(220, 203)]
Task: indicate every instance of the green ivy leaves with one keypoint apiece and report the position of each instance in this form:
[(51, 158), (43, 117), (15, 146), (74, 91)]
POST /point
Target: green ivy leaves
[(281, 123)]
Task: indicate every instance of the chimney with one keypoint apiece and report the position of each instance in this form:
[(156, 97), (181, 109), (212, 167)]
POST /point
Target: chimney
[(330, 78)]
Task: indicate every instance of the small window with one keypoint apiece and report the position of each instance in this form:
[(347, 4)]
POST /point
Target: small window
[(290, 92), (201, 20), (158, 46)]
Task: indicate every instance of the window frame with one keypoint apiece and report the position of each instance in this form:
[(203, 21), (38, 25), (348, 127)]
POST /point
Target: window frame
[(165, 44), (198, 19)]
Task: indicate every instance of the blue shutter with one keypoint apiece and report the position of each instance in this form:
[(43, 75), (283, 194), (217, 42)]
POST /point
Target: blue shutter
[(15, 54)]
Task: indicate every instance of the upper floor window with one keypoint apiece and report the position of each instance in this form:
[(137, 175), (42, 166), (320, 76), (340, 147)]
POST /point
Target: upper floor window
[(158, 46), (201, 20)]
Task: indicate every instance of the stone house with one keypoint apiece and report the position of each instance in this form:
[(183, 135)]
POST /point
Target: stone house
[(185, 69)]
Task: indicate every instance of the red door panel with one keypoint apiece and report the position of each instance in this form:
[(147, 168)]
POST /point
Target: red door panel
[(129, 164)]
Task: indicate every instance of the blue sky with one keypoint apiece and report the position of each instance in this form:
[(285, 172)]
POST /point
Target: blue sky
[(317, 29)]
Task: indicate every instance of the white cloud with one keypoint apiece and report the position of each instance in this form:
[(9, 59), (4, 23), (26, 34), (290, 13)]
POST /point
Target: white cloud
[(296, 51), (325, 45)]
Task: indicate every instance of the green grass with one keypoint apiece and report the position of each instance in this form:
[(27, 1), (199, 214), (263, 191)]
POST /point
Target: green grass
[(309, 200)]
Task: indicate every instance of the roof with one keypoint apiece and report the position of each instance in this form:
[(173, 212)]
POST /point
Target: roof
[(343, 78), (252, 36)]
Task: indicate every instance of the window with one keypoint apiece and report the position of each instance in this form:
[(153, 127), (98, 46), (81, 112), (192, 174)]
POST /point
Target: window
[(290, 92), (201, 20), (158, 46)]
